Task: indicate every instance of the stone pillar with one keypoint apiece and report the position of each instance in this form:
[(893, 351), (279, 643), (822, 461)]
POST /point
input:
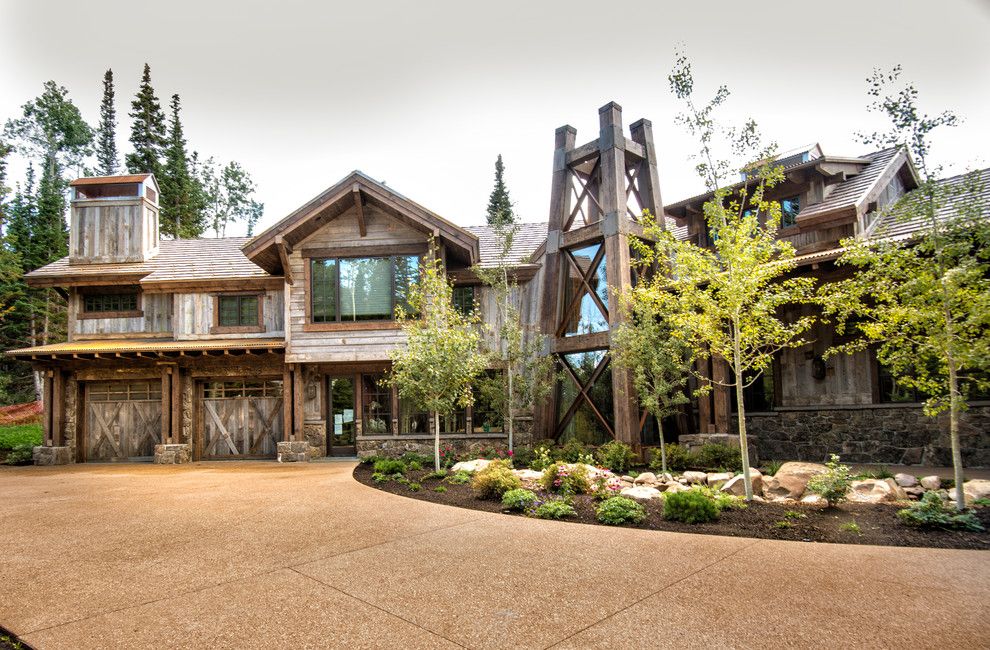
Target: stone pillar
[(51, 455), (293, 451), (173, 454)]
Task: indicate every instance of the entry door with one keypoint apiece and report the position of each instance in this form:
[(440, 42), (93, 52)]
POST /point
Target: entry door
[(341, 417)]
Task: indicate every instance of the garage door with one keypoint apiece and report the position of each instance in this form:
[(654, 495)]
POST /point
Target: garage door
[(123, 420), (241, 419)]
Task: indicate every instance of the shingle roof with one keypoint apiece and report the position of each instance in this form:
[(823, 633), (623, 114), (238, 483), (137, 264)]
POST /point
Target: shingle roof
[(179, 260), (528, 238), (891, 226), (852, 192)]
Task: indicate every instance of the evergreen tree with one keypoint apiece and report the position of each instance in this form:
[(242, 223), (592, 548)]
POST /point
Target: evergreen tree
[(147, 130), (106, 132), (499, 205), (180, 210)]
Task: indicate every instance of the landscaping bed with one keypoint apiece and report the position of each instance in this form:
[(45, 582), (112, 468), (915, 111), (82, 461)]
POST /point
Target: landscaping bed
[(847, 523)]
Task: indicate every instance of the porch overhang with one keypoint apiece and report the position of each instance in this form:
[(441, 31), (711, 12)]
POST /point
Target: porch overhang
[(110, 350)]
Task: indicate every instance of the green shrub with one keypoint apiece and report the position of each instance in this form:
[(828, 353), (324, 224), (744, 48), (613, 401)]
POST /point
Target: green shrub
[(415, 487), (458, 478), (17, 435), (563, 480), (518, 499), (414, 466), (20, 455), (379, 477), (542, 458), (572, 451), (495, 480), (722, 500), (716, 457), (370, 459), (620, 510), (411, 457), (982, 502), (850, 527), (794, 514), (833, 484), (440, 488), (771, 467), (522, 456), (879, 473), (616, 456), (691, 507), (554, 509), (434, 475), (783, 523), (678, 458), (930, 512), (390, 466)]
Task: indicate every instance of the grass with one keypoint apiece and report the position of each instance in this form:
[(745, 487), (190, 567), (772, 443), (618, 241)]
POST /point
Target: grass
[(19, 434)]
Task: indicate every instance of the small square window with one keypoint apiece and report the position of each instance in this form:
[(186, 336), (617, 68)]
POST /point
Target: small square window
[(463, 298), (237, 311)]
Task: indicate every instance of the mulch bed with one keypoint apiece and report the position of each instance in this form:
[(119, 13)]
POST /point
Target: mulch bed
[(878, 524)]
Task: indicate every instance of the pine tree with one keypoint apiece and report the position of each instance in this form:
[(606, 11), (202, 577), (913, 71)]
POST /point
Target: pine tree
[(180, 212), (147, 130), (106, 132), (499, 205)]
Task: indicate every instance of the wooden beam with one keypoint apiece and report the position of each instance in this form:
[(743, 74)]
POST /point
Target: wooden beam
[(177, 405), (284, 249), (287, 401), (166, 404), (359, 205), (298, 403)]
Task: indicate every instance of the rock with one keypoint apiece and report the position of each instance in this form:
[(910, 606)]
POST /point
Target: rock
[(905, 480), (674, 486), (973, 490), (646, 478), (914, 492), (695, 478), (814, 500), (736, 486), (791, 480), (529, 477), (719, 477), (471, 465), (628, 479), (642, 492), (931, 482), (875, 490)]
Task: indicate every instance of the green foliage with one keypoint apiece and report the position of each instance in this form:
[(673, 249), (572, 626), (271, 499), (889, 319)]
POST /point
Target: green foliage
[(181, 213), (380, 477), (414, 487), (850, 527), (542, 458), (930, 512), (107, 158), (833, 484), (572, 451), (227, 195), (794, 514), (442, 356), (784, 523), (20, 455), (435, 476), (12, 436), (554, 509), (458, 478), (716, 457), (678, 458), (616, 456), (390, 466), (499, 205), (370, 459), (721, 500), (879, 473), (620, 510), (560, 479), (518, 499), (147, 129), (440, 488), (771, 467), (691, 507), (982, 502), (495, 480)]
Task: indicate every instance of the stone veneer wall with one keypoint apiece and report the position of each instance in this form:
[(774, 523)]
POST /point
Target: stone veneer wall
[(900, 435)]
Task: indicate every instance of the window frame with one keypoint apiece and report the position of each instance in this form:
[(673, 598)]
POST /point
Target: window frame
[(259, 327), (474, 298), (82, 313)]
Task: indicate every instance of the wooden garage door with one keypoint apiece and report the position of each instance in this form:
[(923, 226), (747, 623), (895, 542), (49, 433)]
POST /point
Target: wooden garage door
[(123, 419), (241, 419)]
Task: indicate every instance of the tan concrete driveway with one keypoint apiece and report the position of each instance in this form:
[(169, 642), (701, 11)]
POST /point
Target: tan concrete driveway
[(266, 555)]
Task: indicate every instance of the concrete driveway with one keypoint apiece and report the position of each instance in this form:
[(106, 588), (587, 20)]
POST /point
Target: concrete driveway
[(267, 555)]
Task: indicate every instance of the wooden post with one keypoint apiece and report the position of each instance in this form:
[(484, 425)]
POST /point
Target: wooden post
[(615, 228), (176, 417), (58, 408), (166, 404), (47, 406), (287, 402), (298, 403), (723, 396), (648, 180)]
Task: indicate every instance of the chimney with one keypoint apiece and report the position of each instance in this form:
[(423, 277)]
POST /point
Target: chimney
[(113, 219)]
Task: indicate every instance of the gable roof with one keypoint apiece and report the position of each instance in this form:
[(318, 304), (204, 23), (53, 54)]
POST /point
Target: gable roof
[(337, 199), (855, 191), (528, 238)]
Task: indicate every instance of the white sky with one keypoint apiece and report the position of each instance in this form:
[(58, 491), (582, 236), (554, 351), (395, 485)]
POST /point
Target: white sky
[(424, 95)]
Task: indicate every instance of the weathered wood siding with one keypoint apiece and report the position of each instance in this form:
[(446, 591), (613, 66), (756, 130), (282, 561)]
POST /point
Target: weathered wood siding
[(526, 298), (341, 236), (194, 317), (112, 231), (157, 319)]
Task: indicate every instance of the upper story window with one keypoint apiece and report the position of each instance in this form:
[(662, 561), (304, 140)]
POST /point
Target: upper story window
[(789, 209), (463, 298), (110, 304), (360, 288), (239, 310)]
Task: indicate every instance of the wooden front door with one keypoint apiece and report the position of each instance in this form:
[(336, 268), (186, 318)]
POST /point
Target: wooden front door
[(240, 419), (341, 416), (123, 420)]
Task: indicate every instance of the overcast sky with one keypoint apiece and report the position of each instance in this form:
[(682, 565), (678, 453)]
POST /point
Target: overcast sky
[(424, 95)]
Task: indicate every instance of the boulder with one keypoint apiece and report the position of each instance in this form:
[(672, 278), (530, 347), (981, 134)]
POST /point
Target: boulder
[(673, 486), (875, 490), (914, 492), (905, 480), (814, 500), (628, 479), (642, 493), (973, 490), (529, 477), (931, 482), (471, 466), (791, 480), (695, 478), (736, 486), (715, 478), (646, 478)]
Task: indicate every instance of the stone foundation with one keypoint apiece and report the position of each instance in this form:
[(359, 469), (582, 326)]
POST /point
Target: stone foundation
[(51, 455), (174, 454), (299, 451), (898, 435), (695, 441)]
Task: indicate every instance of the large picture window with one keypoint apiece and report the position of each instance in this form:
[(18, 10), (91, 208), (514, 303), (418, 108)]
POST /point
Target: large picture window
[(360, 288)]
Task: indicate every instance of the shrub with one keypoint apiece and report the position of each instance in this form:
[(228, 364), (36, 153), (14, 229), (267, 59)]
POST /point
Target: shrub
[(415, 487), (678, 458), (411, 457), (390, 466), (620, 510), (448, 455), (794, 514), (542, 458), (495, 480), (20, 455), (554, 509), (523, 456), (771, 467), (606, 487), (616, 456), (691, 507), (930, 512), (716, 457), (370, 459), (722, 500), (982, 502), (833, 484), (783, 523), (440, 488), (18, 435), (458, 478), (563, 480), (378, 477), (439, 475), (518, 499), (879, 473), (572, 451), (850, 527), (414, 466), (494, 453)]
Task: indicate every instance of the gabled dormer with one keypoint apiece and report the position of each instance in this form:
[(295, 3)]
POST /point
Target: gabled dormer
[(113, 219)]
